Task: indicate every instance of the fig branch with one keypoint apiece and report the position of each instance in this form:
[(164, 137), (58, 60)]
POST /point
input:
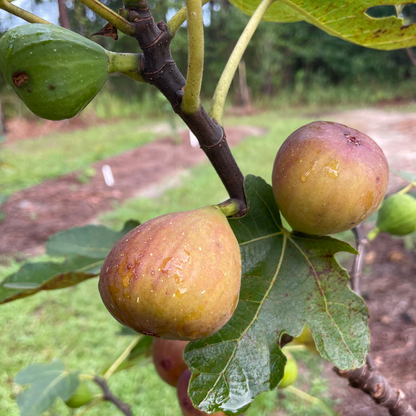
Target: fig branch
[(23, 14), (159, 69), (110, 397), (368, 378)]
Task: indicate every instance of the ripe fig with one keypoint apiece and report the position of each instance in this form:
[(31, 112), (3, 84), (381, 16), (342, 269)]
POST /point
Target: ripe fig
[(176, 276), (185, 402), (397, 215), (82, 396), (291, 373), (328, 178), (55, 71), (168, 359)]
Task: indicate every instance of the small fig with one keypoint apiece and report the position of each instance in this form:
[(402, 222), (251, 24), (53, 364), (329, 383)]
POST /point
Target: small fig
[(176, 276), (291, 373), (306, 339), (328, 178), (168, 359), (397, 215), (55, 71), (82, 396), (185, 402)]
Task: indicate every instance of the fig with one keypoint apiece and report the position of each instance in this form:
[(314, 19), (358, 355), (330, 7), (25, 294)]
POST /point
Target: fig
[(291, 373), (328, 178), (82, 396), (168, 359), (55, 71), (176, 276), (185, 402), (397, 215), (306, 339)]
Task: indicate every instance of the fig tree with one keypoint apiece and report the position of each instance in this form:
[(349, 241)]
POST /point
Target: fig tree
[(168, 359), (55, 71), (176, 276), (185, 402), (328, 178)]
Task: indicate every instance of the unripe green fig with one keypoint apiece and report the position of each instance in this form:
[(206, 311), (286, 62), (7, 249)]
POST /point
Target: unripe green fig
[(397, 215), (82, 396), (176, 276), (291, 373), (185, 402), (328, 178), (55, 71), (306, 339), (168, 359)]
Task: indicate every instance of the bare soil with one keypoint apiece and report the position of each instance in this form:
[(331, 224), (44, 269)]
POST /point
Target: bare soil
[(389, 280)]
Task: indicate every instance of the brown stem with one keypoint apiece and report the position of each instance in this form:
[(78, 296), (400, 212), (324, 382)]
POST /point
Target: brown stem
[(368, 378), (159, 69), (109, 396), (372, 382)]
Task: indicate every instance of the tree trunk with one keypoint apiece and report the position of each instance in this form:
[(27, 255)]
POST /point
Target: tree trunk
[(63, 15)]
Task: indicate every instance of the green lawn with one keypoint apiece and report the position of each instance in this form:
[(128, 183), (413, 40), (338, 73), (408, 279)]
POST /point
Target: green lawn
[(73, 325), (25, 163)]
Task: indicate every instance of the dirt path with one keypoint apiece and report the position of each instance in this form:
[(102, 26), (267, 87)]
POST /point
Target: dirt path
[(34, 214)]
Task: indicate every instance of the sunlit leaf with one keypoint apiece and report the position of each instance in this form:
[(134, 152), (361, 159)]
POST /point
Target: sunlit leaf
[(47, 383), (347, 20), (289, 280)]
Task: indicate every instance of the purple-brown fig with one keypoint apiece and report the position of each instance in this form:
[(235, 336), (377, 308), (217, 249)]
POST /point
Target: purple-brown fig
[(185, 402), (176, 276), (168, 359), (328, 178)]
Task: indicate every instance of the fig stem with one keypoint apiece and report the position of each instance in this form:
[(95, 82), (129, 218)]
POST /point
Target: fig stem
[(111, 16), (230, 207), (190, 101), (178, 20), (373, 234), (407, 188), (122, 357), (311, 399), (221, 91), (126, 63), (23, 14)]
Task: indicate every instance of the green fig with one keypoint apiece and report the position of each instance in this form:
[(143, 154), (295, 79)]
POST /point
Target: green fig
[(397, 215), (291, 373), (176, 276), (168, 359), (306, 339), (328, 178), (82, 396), (55, 71)]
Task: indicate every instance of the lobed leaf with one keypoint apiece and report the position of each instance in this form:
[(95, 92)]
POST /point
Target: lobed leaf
[(47, 383), (288, 280), (85, 249), (347, 20)]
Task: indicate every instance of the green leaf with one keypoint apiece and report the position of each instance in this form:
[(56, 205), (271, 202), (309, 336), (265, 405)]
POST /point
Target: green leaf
[(288, 280), (47, 383), (345, 20), (407, 176), (85, 249), (93, 241)]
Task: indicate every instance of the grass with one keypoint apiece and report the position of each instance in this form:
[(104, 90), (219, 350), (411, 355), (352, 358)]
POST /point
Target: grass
[(25, 163), (73, 325)]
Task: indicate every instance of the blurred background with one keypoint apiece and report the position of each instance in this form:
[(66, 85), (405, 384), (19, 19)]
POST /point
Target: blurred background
[(126, 156)]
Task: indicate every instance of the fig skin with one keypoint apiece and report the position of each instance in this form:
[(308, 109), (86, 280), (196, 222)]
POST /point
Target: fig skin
[(291, 373), (185, 402), (328, 178), (168, 359), (176, 276)]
